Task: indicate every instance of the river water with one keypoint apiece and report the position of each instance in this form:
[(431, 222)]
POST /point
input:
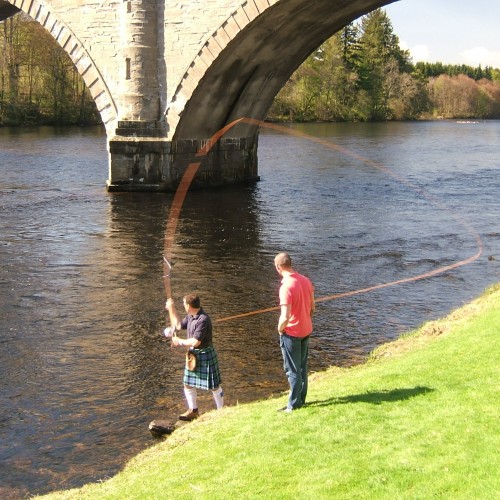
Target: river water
[(83, 366)]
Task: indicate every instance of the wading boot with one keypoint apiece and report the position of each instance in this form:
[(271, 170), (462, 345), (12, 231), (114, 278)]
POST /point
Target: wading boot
[(189, 415)]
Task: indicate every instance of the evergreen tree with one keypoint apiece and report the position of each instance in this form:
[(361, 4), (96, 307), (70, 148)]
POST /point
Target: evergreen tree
[(337, 81), (430, 70), (348, 41), (380, 56)]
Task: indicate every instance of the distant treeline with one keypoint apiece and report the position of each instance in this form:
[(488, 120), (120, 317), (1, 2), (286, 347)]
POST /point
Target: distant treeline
[(429, 70), (360, 74)]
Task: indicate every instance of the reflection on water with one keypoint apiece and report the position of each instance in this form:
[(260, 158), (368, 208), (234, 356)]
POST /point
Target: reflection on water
[(83, 366)]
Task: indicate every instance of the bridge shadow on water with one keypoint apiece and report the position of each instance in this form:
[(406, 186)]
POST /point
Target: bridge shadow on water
[(376, 397)]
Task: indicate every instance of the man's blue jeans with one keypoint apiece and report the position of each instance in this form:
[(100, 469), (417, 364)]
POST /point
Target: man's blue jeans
[(295, 352)]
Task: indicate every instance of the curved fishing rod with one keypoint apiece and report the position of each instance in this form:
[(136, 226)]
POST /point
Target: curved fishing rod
[(178, 201), (173, 218), (188, 176)]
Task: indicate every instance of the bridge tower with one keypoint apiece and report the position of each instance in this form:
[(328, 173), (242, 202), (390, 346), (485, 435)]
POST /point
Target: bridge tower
[(138, 146), (146, 151)]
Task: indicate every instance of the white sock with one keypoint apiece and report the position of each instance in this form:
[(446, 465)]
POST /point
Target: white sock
[(218, 397), (190, 393)]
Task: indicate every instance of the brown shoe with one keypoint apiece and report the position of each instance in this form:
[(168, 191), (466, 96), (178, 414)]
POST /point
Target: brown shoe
[(189, 415)]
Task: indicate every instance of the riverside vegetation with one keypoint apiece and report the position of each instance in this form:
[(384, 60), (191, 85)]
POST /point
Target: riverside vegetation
[(360, 74), (418, 420)]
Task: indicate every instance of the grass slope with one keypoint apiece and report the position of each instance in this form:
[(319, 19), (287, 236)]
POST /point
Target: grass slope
[(418, 420)]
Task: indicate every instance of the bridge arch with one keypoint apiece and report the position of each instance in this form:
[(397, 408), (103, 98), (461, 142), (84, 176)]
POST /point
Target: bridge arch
[(70, 43), (246, 61), (213, 63)]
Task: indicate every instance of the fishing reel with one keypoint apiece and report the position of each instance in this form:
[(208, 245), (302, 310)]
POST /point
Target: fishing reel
[(170, 332)]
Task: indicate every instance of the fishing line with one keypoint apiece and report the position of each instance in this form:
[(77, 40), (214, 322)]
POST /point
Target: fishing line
[(193, 168)]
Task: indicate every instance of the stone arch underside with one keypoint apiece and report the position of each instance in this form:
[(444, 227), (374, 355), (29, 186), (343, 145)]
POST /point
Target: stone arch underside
[(84, 64), (242, 78)]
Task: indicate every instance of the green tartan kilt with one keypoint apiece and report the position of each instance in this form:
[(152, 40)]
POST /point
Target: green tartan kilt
[(207, 372)]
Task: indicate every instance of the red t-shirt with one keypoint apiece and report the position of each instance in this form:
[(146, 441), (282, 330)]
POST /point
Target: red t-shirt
[(296, 290)]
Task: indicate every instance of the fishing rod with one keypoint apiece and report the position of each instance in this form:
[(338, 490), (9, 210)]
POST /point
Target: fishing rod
[(176, 207)]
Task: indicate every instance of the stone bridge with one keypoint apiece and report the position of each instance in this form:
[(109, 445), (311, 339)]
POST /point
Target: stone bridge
[(168, 75)]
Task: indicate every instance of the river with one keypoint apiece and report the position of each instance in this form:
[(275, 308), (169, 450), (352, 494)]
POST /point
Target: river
[(395, 223)]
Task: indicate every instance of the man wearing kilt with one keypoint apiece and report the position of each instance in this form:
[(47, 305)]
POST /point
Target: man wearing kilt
[(206, 374)]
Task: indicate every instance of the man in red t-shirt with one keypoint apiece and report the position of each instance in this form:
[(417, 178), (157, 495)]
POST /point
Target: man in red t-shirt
[(294, 327)]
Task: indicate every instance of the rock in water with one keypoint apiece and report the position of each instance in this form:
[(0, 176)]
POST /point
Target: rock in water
[(160, 427)]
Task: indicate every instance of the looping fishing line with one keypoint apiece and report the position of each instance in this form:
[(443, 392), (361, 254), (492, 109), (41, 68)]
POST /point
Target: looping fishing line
[(192, 168)]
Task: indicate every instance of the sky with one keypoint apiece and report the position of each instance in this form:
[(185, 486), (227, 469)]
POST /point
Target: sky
[(448, 31)]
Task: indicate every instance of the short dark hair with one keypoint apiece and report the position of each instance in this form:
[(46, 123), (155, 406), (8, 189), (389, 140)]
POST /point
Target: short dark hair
[(192, 300), (283, 260)]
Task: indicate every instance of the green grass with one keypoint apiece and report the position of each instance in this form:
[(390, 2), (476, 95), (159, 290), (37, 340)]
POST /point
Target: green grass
[(419, 420)]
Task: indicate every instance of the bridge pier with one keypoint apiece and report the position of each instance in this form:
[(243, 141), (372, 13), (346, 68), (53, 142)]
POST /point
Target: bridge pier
[(142, 159), (144, 153)]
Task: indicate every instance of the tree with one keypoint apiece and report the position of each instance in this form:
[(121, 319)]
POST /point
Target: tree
[(462, 97), (347, 82), (407, 96), (428, 70), (361, 73), (379, 53), (348, 40), (9, 64), (38, 81), (336, 81)]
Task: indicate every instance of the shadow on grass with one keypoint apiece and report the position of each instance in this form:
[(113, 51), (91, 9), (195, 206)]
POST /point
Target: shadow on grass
[(375, 397)]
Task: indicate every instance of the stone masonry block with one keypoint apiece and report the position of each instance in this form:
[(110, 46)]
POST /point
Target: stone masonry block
[(261, 5), (101, 101), (42, 15), (231, 27), (221, 37), (108, 115), (63, 37), (213, 47), (205, 56), (188, 84), (30, 8), (56, 29), (197, 70), (241, 18), (250, 9), (94, 83)]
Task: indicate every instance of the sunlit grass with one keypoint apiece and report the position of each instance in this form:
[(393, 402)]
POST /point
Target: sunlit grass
[(418, 420)]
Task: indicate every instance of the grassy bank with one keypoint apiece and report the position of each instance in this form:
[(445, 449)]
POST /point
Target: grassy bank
[(418, 420)]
